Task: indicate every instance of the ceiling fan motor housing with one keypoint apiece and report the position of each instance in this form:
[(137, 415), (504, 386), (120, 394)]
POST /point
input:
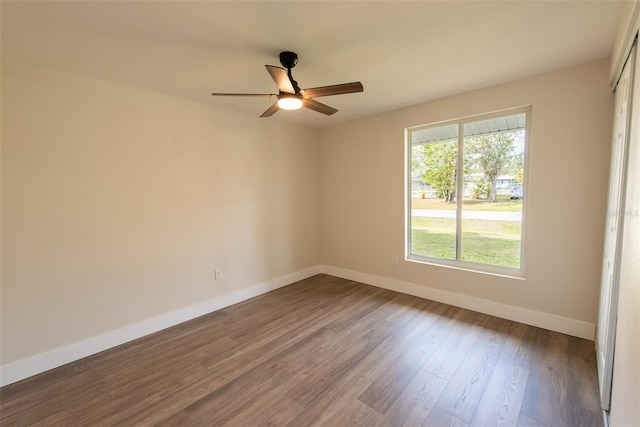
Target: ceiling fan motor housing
[(288, 59)]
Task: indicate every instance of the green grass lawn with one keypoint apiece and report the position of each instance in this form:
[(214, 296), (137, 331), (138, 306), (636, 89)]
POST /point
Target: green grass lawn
[(504, 204), (486, 242)]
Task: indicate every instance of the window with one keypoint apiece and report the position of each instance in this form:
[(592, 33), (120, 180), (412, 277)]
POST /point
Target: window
[(466, 192)]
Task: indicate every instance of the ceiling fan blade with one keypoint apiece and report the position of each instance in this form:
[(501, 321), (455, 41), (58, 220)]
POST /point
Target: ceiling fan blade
[(263, 95), (332, 90), (319, 107), (279, 75), (271, 110)]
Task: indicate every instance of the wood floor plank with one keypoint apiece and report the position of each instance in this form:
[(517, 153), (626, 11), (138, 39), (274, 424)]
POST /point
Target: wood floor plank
[(464, 391), (336, 368), (275, 308), (402, 320), (582, 386), (440, 418), (419, 320), (576, 416), (372, 365), (271, 409), (348, 387), (323, 351), (519, 345), (402, 308), (502, 398), (374, 328), (353, 413), (244, 357), (524, 421), (179, 419), (174, 402), (41, 407), (386, 389), (134, 395), (546, 392), (239, 394), (445, 360), (383, 392), (413, 406), (50, 391), (240, 360), (365, 306)]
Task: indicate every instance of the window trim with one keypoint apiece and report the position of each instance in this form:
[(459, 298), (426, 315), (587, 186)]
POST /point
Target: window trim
[(502, 271)]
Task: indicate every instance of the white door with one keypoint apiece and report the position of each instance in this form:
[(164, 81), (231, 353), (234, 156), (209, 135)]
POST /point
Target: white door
[(605, 340)]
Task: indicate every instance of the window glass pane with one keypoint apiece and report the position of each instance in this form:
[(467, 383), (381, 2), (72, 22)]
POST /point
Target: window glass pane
[(493, 191), (434, 168), (466, 192)]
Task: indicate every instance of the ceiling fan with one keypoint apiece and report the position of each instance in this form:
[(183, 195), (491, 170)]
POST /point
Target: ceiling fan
[(290, 96)]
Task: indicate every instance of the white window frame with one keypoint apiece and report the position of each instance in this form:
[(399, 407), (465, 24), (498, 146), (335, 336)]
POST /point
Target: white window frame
[(511, 272)]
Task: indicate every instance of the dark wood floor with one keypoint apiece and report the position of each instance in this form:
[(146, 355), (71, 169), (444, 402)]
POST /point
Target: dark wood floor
[(324, 351)]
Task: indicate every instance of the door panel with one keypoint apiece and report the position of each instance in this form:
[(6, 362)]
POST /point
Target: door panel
[(605, 339)]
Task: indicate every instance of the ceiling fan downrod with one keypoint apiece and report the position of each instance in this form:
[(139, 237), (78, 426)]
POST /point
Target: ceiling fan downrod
[(289, 60)]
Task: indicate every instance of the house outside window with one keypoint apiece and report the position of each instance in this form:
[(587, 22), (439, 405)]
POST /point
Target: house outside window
[(466, 192)]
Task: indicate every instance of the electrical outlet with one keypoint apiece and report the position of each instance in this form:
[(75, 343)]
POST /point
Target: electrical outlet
[(218, 274), (394, 259)]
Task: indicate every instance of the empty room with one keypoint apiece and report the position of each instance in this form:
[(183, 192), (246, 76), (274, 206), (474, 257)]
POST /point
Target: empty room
[(373, 213)]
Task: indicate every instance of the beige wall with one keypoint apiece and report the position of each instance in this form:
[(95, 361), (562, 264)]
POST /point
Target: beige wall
[(362, 174), (118, 203)]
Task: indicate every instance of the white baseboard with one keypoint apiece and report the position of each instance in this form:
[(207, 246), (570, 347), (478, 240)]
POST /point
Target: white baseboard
[(42, 362), (552, 322)]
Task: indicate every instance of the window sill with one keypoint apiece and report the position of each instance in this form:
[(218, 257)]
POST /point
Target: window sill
[(506, 272)]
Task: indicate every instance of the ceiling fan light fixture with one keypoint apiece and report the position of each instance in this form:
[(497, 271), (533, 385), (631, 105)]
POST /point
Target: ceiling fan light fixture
[(288, 101)]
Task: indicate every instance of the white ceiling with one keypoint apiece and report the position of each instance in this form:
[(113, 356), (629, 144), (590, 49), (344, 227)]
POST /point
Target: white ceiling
[(403, 52)]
